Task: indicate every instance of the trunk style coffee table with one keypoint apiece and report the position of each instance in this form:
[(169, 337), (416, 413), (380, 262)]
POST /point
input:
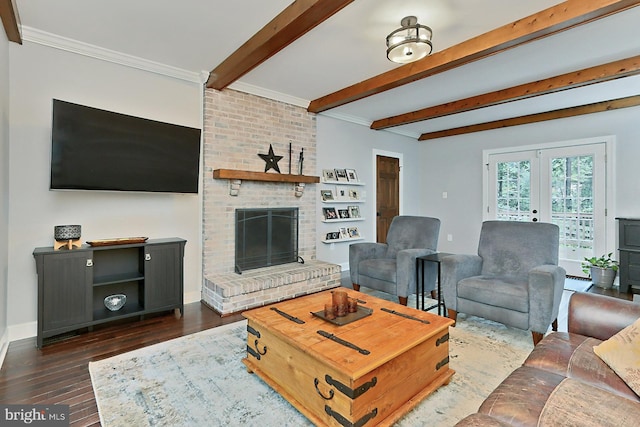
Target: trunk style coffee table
[(364, 372)]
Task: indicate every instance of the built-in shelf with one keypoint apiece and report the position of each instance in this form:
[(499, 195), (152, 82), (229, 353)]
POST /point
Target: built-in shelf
[(342, 201), (343, 182), (343, 195), (351, 239), (343, 220), (264, 176)]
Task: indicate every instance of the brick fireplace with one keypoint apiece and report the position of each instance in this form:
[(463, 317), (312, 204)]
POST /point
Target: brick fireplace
[(237, 127)]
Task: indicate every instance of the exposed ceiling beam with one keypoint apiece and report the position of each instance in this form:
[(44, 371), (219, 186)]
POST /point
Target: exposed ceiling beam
[(598, 107), (598, 74), (11, 20), (292, 23), (563, 16)]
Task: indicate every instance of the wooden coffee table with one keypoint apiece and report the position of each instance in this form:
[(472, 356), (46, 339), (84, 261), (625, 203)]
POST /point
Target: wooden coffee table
[(364, 373)]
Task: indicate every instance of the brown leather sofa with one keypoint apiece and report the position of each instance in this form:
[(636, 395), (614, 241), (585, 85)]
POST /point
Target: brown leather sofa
[(563, 382)]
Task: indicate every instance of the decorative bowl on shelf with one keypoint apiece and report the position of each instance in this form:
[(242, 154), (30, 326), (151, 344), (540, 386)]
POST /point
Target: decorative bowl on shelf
[(115, 302)]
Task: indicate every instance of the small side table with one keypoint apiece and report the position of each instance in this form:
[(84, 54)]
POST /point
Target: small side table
[(437, 258)]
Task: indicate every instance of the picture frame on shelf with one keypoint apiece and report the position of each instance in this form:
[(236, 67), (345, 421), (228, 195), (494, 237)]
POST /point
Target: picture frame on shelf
[(344, 233), (343, 213), (342, 193), (332, 235), (353, 232), (354, 194), (352, 176), (329, 213), (354, 211), (328, 175), (341, 175), (326, 195)]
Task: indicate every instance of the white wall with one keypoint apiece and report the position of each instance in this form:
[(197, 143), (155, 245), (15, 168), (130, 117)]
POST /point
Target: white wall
[(4, 188), (342, 144), (454, 165), (38, 74)]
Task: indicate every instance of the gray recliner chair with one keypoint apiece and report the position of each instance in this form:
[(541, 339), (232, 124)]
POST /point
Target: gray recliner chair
[(391, 267), (514, 280)]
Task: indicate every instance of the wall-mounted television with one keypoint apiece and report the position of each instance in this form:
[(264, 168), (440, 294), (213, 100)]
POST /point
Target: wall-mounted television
[(93, 149)]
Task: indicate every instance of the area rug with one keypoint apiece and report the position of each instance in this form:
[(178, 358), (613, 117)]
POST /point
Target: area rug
[(199, 380)]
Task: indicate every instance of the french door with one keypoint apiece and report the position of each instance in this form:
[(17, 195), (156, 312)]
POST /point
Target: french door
[(565, 186)]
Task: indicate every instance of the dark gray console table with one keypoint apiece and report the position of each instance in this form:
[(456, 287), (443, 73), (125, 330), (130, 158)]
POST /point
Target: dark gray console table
[(72, 284), (437, 258), (629, 248)]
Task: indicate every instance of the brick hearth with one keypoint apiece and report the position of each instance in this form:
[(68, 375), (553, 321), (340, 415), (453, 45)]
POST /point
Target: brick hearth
[(230, 292)]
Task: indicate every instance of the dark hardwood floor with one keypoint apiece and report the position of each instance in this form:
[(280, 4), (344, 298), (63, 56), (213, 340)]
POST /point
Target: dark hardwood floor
[(613, 292), (59, 373)]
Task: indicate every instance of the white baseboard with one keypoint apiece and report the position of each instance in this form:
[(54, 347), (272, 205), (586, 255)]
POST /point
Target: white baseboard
[(190, 297), (4, 346), (22, 331)]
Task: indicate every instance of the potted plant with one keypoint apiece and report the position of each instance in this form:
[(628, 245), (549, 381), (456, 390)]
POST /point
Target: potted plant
[(602, 270)]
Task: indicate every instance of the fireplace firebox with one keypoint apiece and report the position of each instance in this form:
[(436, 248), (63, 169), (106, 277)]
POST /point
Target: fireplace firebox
[(265, 237)]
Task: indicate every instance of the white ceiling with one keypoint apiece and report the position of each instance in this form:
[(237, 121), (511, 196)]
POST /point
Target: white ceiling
[(197, 35)]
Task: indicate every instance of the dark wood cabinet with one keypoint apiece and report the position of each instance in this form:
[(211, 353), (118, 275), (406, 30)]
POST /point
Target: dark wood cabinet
[(68, 305), (629, 248), (72, 284), (164, 272)]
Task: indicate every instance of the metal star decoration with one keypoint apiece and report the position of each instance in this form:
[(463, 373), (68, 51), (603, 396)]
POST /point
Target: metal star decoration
[(271, 160)]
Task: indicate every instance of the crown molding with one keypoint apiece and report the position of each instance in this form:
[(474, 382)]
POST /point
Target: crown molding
[(44, 38), (362, 122), (74, 46), (270, 94)]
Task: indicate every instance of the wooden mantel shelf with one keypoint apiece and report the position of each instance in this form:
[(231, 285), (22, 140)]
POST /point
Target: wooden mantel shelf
[(263, 176), (236, 177)]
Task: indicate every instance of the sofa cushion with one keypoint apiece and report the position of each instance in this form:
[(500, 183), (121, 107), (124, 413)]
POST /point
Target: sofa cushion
[(512, 248), (572, 356), (412, 232), (520, 398), (381, 269), (574, 403), (502, 292), (534, 397), (622, 353)]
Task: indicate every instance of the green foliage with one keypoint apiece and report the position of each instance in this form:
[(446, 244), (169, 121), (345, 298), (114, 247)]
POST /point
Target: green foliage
[(604, 261)]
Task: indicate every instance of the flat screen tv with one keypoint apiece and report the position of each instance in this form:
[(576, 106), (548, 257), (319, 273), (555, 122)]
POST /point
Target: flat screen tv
[(93, 149)]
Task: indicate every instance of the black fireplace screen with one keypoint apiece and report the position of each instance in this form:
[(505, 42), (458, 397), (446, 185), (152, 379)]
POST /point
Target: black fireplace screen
[(266, 237)]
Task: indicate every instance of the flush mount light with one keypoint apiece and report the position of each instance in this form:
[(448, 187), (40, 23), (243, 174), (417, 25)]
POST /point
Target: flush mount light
[(410, 42)]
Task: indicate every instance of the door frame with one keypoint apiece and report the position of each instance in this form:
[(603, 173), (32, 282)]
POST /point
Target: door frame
[(610, 197), (374, 185)]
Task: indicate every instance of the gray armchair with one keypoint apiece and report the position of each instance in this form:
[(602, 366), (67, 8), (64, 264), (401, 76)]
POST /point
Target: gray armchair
[(514, 280), (391, 267)]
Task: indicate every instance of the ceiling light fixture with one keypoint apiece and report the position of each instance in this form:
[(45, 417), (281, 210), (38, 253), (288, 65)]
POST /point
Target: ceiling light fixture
[(409, 43)]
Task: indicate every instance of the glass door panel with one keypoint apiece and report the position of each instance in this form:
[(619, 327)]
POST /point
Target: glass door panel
[(576, 203), (512, 192)]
